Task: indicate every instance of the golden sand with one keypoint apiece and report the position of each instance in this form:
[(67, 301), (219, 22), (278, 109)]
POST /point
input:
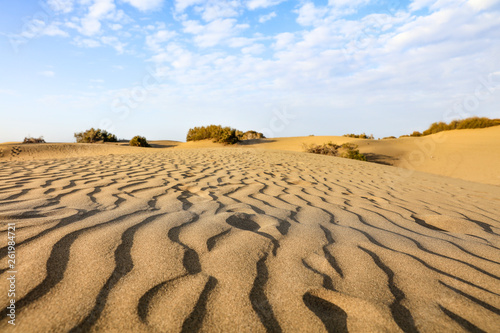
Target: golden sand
[(246, 239)]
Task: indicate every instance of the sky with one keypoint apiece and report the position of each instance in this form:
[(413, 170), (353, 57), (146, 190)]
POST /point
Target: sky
[(285, 68)]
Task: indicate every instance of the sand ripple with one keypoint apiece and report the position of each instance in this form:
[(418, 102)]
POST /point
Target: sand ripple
[(245, 240)]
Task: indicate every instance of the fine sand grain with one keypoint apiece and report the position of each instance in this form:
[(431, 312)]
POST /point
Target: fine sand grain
[(245, 240)]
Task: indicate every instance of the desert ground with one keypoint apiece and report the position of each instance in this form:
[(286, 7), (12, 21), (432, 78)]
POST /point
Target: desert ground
[(259, 237)]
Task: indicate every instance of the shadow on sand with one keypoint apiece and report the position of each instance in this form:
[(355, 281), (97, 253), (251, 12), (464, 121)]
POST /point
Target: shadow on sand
[(380, 159)]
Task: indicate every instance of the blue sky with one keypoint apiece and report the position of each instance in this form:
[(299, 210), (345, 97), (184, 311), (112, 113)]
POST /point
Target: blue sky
[(286, 68)]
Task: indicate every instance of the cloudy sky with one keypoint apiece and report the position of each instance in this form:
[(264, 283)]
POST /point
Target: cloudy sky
[(286, 68)]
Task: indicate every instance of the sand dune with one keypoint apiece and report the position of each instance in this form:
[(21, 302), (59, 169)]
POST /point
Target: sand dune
[(246, 240), (464, 154)]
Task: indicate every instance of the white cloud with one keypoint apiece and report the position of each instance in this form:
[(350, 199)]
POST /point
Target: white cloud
[(63, 6), (47, 73), (284, 40), (435, 5), (145, 5), (115, 26), (114, 43), (213, 10), (214, 32), (86, 42), (238, 42), (309, 14), (254, 49), (483, 4), (154, 41), (255, 4), (267, 17), (54, 30), (182, 5), (90, 24), (348, 3)]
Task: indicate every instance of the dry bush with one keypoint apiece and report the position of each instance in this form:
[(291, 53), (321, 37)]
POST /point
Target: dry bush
[(359, 136), (251, 135), (34, 140), (347, 150)]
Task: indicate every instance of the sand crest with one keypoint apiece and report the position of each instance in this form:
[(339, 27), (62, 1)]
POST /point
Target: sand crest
[(246, 240)]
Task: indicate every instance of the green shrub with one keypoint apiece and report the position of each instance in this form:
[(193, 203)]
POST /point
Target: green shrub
[(94, 135), (350, 150), (474, 122), (228, 136), (139, 141), (216, 133), (34, 140), (347, 150)]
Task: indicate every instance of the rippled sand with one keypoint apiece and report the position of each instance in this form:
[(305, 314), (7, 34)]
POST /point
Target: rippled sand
[(247, 240)]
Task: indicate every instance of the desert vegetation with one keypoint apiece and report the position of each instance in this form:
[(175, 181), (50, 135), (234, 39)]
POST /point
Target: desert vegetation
[(359, 136), (416, 134), (94, 135), (473, 122), (139, 141), (250, 135), (34, 140), (346, 150), (217, 133)]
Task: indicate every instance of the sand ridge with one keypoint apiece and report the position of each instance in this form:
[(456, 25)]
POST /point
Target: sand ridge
[(247, 240)]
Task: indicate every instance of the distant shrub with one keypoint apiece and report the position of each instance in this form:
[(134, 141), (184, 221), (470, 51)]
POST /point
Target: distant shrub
[(217, 133), (347, 150), (473, 122), (359, 136), (139, 141), (325, 149), (94, 135), (416, 134), (34, 140), (389, 137), (404, 136), (251, 135)]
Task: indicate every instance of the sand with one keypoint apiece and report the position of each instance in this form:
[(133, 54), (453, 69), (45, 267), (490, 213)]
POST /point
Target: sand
[(464, 154), (245, 239)]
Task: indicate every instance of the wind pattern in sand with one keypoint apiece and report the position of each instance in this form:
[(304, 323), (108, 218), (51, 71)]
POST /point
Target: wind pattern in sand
[(242, 240)]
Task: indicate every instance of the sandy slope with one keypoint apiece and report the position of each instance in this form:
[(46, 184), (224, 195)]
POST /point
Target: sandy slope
[(465, 154), (247, 240)]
